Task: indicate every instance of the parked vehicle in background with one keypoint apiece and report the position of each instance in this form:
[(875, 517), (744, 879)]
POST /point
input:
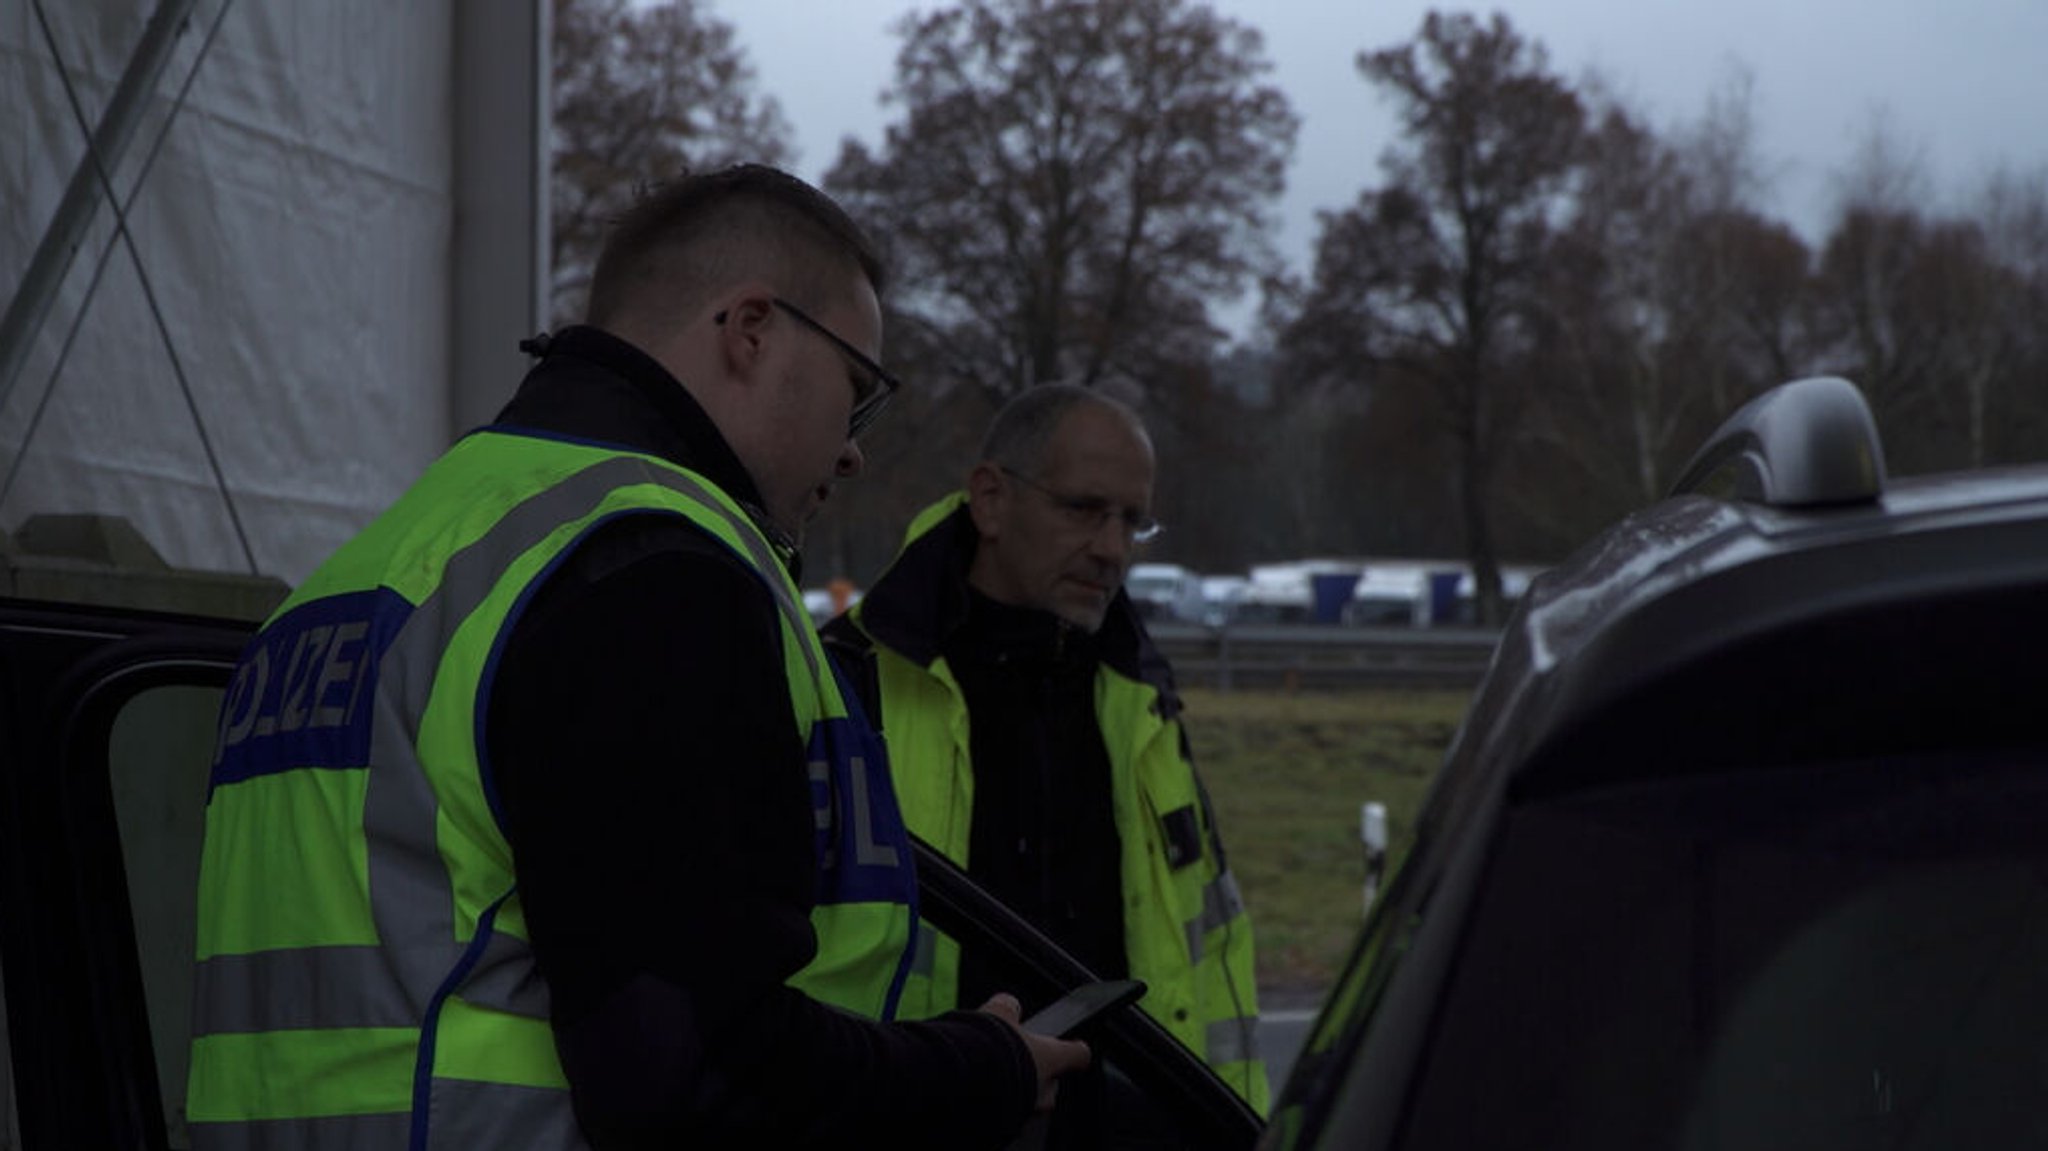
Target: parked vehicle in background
[(1299, 591), (1165, 592), (1275, 593), (1744, 841), (1221, 595), (1455, 597), (1367, 592), (1391, 594)]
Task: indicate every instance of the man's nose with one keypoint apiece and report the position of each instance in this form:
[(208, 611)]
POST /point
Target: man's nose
[(851, 459)]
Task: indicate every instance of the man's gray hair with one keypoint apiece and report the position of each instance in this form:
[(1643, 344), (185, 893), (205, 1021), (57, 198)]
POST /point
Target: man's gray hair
[(1018, 436)]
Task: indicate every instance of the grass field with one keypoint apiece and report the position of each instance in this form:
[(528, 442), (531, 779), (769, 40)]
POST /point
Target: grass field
[(1287, 774)]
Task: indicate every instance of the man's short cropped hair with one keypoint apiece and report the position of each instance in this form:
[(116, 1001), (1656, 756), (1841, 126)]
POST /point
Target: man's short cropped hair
[(686, 240), (1018, 436)]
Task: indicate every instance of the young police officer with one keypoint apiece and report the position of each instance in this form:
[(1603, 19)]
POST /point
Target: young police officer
[(567, 852)]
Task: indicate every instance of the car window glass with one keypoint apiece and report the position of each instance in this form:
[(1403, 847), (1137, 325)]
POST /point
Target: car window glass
[(158, 755), (1841, 956)]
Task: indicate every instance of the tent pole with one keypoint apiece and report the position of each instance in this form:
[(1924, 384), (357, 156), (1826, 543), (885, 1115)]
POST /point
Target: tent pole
[(82, 197)]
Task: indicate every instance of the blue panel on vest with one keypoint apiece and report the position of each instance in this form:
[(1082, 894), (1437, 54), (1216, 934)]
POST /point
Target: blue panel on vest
[(863, 846), (305, 690)]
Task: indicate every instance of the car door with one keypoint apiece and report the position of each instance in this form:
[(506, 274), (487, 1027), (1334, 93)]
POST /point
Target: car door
[(107, 726), (106, 723), (1161, 1094)]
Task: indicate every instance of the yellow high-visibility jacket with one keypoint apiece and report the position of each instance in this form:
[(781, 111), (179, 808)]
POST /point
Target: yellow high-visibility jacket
[(364, 974)]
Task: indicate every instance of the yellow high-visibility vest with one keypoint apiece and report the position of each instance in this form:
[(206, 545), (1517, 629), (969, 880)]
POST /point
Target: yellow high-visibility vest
[(364, 974), (1186, 933)]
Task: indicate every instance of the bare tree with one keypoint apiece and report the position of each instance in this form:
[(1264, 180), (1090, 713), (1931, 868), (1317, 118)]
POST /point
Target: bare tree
[(1761, 272), (1436, 275), (1672, 299), (641, 91), (1886, 173), (1072, 183), (1746, 273), (2014, 209), (1872, 285), (1940, 316), (1617, 403)]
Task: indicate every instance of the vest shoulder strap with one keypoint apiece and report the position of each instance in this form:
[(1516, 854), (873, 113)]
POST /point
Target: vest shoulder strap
[(853, 652)]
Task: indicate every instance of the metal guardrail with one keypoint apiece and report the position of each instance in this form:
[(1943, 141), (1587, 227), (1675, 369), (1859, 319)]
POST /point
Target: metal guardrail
[(1324, 656)]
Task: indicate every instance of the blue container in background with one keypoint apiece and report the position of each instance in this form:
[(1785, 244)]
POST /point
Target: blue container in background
[(1332, 591), (1443, 596)]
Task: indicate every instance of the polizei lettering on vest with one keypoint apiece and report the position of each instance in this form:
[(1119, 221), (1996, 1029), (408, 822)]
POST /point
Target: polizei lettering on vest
[(302, 695), (863, 848), (866, 850)]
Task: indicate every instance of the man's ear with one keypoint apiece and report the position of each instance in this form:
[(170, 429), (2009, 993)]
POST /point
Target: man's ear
[(740, 342), (985, 494)]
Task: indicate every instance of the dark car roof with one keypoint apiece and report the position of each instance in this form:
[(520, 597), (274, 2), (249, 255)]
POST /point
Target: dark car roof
[(1704, 637), (1706, 628), (1770, 604)]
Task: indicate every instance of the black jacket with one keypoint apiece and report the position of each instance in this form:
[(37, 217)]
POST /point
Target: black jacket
[(643, 749)]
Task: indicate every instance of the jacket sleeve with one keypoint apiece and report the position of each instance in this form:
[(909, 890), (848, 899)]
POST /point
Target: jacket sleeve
[(652, 783)]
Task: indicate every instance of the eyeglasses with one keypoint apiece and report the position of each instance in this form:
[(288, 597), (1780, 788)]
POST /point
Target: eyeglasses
[(873, 386), (1089, 513)]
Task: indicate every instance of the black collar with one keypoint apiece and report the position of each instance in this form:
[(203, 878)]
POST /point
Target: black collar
[(593, 386)]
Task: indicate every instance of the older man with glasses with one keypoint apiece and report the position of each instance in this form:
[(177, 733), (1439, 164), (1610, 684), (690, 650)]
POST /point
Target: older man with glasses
[(1034, 729)]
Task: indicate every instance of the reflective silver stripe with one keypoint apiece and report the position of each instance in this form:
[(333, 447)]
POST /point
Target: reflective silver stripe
[(470, 1115), (467, 1115), (410, 890), (1231, 1040), (310, 988), (758, 549), (412, 901), (505, 979), (322, 987), (330, 1133), (925, 960), (1221, 903), (821, 813), (416, 903), (866, 851), (612, 474), (766, 564)]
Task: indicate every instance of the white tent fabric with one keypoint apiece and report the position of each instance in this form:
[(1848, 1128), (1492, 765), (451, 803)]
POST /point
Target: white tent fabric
[(296, 233)]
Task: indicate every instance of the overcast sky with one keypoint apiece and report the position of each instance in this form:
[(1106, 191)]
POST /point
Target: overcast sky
[(1963, 82)]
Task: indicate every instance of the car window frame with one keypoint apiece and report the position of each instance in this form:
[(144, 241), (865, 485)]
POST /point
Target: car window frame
[(1161, 1065), (84, 1070)]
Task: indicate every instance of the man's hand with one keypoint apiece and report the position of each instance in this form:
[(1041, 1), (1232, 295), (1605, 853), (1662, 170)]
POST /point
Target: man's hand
[(1052, 1057)]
